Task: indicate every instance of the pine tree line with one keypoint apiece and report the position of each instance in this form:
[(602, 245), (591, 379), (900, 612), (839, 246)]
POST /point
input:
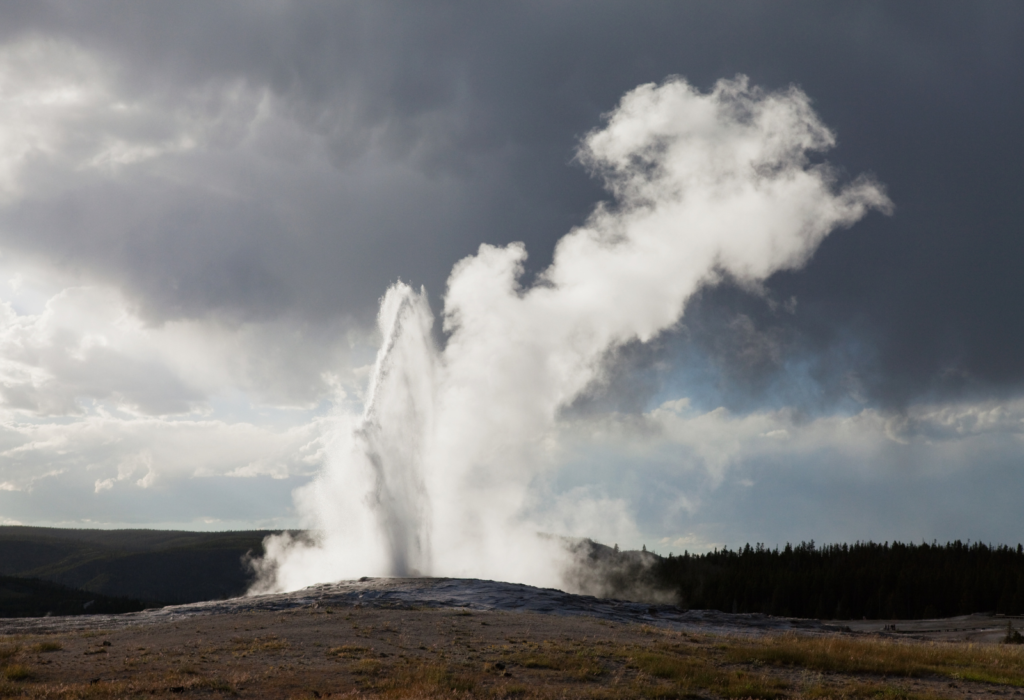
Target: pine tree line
[(862, 580)]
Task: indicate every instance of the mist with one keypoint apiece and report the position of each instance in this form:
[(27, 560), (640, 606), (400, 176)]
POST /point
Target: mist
[(439, 474)]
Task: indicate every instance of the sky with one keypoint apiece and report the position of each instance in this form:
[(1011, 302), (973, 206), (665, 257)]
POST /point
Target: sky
[(202, 204)]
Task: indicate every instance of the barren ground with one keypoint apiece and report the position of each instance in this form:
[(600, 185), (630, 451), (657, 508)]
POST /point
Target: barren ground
[(356, 650)]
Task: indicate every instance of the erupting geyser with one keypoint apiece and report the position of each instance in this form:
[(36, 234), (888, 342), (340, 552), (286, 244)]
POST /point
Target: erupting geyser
[(433, 477)]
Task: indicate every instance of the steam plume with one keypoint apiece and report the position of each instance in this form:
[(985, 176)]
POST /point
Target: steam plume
[(435, 475)]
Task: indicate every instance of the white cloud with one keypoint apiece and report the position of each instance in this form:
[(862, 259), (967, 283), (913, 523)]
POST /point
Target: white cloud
[(127, 468), (93, 399), (135, 452), (715, 442), (93, 391), (725, 478), (82, 348)]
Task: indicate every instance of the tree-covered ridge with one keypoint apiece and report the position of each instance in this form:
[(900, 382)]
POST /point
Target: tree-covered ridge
[(156, 566), (24, 597), (840, 581)]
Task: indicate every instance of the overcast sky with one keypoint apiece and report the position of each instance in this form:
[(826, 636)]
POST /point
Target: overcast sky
[(202, 203)]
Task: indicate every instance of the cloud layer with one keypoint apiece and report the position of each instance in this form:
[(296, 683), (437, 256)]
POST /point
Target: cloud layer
[(199, 208)]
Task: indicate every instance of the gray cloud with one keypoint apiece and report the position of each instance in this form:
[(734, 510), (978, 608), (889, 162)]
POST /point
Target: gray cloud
[(242, 181), (342, 146)]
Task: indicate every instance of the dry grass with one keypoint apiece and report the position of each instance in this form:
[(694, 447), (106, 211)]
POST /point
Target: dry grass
[(10, 670), (862, 691), (1003, 665), (445, 654), (47, 647), (17, 672), (422, 680), (246, 647), (578, 663), (691, 674), (348, 651)]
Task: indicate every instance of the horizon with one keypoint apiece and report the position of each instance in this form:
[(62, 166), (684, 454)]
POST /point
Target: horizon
[(714, 548)]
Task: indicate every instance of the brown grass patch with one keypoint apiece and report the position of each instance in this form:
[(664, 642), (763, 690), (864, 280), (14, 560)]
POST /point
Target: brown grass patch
[(690, 674), (423, 679), (18, 672), (866, 691), (257, 645), (47, 647), (348, 651), (578, 662), (837, 654)]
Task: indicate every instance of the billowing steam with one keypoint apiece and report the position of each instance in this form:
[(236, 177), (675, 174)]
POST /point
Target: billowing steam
[(434, 477)]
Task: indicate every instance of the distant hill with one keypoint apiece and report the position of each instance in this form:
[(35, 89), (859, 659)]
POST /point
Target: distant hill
[(22, 597), (155, 566), (865, 579)]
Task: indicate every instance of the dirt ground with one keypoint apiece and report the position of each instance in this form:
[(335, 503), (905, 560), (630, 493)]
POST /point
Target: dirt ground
[(374, 652)]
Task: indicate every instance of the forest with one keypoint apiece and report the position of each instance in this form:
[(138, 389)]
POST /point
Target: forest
[(156, 567), (848, 581), (130, 569), (26, 597)]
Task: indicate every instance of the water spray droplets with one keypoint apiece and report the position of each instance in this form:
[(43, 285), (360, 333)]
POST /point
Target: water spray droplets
[(435, 476)]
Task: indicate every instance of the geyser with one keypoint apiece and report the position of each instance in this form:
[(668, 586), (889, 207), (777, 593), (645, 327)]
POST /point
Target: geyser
[(434, 477)]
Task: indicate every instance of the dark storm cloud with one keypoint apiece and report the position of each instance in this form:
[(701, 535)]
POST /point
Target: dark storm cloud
[(446, 124)]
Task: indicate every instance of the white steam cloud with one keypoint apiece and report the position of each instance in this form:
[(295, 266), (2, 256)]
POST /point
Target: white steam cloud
[(435, 477)]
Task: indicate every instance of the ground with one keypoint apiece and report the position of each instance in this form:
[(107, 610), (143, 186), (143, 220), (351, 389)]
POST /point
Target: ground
[(362, 651)]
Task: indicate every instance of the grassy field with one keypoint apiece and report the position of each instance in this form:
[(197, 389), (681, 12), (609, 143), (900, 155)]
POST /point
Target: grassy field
[(376, 653)]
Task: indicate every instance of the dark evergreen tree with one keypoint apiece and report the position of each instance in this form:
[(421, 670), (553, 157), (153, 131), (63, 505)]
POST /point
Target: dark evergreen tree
[(865, 579)]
